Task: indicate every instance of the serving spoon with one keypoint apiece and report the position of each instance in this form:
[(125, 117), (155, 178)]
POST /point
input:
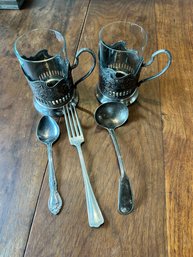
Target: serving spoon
[(111, 116)]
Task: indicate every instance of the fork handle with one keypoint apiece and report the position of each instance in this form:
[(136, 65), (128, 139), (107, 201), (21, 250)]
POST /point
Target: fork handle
[(95, 217)]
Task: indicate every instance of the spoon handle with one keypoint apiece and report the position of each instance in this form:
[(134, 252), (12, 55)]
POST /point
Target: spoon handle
[(95, 217), (55, 201), (125, 196)]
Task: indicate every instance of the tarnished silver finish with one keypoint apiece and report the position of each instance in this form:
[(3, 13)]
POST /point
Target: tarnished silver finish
[(48, 132), (102, 98), (76, 138), (121, 47), (43, 58), (57, 111), (119, 79), (110, 116)]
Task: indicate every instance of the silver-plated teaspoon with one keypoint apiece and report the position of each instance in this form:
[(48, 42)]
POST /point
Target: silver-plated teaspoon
[(110, 116), (48, 132)]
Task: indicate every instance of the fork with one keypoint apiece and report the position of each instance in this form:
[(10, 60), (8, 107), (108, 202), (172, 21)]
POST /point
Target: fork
[(76, 138)]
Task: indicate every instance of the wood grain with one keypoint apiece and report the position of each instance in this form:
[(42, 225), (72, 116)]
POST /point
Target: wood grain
[(156, 143), (23, 160), (177, 98), (142, 233)]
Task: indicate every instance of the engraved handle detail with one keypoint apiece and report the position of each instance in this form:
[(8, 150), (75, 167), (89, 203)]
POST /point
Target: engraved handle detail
[(55, 201), (95, 217)]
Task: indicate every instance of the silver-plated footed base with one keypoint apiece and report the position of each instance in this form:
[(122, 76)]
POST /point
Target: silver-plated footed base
[(127, 101), (44, 110)]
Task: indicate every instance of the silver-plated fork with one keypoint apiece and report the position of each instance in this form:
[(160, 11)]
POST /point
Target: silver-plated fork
[(76, 138)]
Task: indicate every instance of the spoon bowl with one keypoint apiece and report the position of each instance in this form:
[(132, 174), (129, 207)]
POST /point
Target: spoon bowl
[(48, 130)]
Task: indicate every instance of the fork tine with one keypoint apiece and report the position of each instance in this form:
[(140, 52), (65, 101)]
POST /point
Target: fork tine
[(78, 122), (68, 121), (72, 110)]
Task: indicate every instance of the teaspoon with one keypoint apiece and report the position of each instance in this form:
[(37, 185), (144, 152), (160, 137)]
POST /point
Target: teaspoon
[(48, 132)]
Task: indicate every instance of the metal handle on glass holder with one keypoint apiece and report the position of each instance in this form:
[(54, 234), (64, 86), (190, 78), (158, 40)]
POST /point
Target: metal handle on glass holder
[(76, 62), (161, 51)]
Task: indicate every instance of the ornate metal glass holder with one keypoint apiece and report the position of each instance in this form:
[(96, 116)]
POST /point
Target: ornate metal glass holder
[(43, 58), (121, 47)]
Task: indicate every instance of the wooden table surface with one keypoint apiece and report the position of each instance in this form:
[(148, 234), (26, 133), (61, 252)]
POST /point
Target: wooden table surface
[(156, 142)]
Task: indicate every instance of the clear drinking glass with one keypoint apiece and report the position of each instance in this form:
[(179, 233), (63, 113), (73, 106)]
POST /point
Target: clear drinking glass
[(121, 49)]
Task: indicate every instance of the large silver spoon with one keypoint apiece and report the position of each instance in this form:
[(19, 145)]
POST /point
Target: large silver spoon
[(48, 132), (110, 116)]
